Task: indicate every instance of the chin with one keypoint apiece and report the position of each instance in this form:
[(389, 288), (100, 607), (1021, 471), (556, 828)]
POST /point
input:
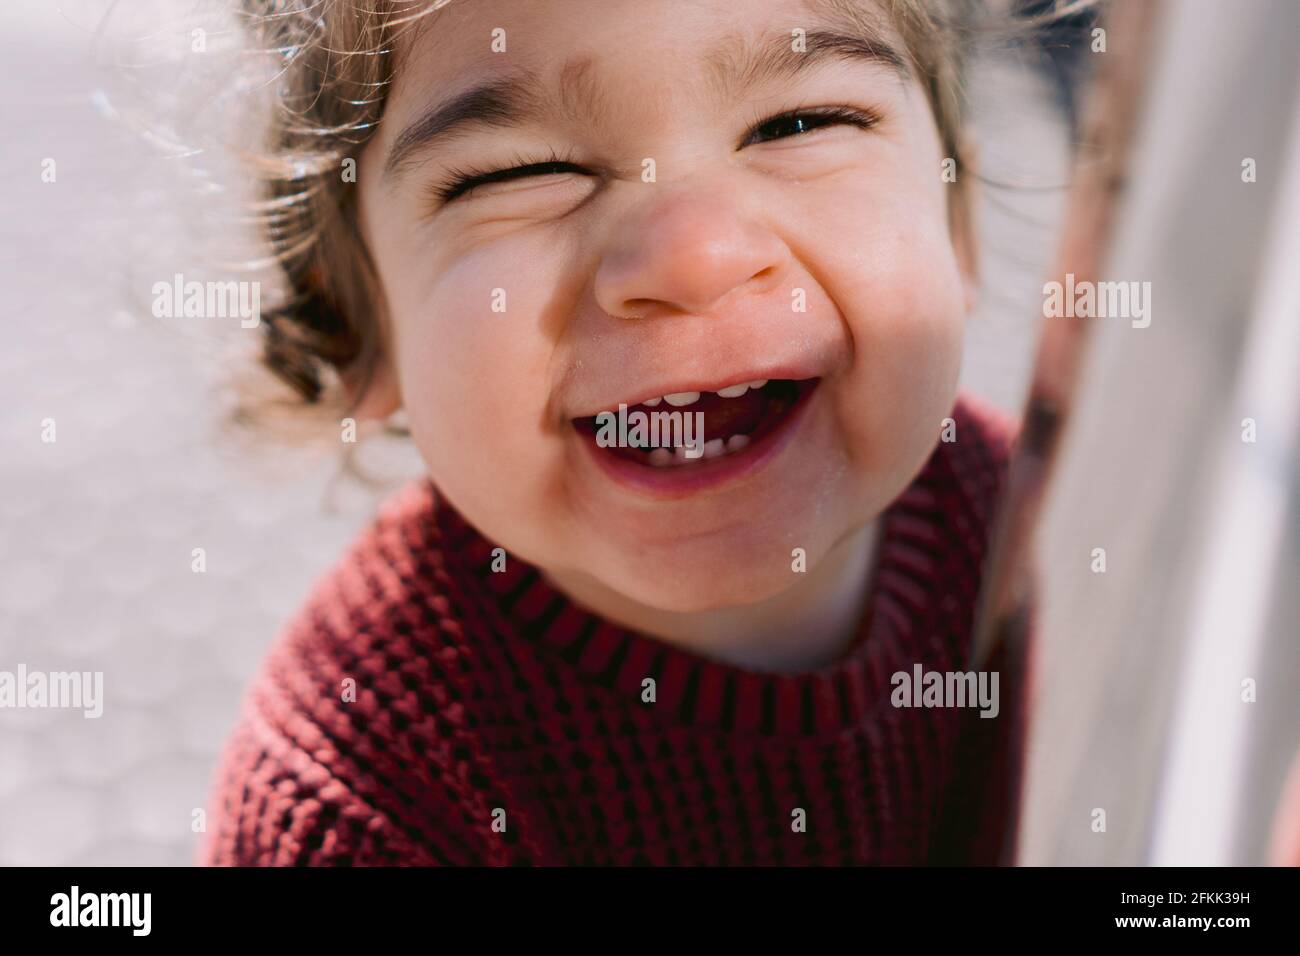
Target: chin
[(704, 599), (706, 583)]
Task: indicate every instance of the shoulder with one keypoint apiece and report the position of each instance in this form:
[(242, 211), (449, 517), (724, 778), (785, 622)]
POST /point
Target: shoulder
[(942, 524), (343, 749), (975, 463), (970, 474)]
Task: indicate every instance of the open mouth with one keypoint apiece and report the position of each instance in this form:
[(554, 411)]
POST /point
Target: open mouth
[(734, 420)]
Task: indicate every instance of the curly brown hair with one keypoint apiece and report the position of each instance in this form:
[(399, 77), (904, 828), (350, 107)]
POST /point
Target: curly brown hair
[(325, 336)]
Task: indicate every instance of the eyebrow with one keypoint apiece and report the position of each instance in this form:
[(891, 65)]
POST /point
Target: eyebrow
[(500, 104), (736, 66)]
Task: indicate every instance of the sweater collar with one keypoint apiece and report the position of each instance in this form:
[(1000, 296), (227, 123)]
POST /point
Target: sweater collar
[(918, 613), (699, 692)]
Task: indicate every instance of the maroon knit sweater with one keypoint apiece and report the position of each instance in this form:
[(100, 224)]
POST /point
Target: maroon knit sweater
[(484, 699)]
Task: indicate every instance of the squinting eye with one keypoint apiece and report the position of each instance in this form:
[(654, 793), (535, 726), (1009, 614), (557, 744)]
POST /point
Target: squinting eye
[(805, 121), (460, 182)]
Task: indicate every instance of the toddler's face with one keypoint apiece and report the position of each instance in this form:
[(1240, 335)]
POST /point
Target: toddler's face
[(665, 199)]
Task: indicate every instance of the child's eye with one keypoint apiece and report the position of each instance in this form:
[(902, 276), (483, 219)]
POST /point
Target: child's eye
[(460, 182), (799, 122), (795, 123)]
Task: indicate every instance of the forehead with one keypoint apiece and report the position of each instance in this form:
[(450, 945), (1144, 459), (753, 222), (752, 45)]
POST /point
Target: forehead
[(562, 40), (502, 62)]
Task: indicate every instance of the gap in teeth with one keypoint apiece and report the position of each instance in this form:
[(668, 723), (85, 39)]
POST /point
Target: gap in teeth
[(682, 399)]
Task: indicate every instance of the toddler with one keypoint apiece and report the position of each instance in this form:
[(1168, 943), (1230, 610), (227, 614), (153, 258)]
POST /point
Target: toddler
[(672, 296)]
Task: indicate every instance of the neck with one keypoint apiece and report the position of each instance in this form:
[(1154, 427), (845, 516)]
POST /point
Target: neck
[(805, 627)]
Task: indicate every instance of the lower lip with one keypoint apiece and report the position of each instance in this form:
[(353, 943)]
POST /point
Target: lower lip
[(680, 481)]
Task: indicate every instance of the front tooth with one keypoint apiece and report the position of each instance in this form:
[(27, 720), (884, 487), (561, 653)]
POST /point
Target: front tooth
[(714, 448), (678, 399), (737, 442), (734, 391), (679, 456), (652, 402), (661, 457), (757, 383)]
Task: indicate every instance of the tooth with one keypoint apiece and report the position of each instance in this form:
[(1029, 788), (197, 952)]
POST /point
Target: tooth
[(757, 383), (737, 442), (678, 399), (652, 402), (715, 447), (733, 391), (661, 457), (679, 456)]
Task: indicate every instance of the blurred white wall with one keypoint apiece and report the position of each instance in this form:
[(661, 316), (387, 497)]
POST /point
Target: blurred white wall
[(1141, 709)]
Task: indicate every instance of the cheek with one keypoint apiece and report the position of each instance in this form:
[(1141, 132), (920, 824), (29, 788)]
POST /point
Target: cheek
[(474, 365), (893, 272), (908, 320)]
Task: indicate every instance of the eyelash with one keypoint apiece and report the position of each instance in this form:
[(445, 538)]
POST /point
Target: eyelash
[(459, 181), (825, 116)]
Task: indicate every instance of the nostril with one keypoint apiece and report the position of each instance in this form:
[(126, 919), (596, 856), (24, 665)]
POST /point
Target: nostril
[(633, 309)]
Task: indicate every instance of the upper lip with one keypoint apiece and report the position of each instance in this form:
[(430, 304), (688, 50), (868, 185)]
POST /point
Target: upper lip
[(636, 394)]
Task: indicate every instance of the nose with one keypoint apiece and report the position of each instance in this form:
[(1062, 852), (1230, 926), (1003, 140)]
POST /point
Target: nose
[(687, 251)]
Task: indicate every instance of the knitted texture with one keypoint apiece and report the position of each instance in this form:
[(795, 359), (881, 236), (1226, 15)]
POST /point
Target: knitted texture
[(485, 699)]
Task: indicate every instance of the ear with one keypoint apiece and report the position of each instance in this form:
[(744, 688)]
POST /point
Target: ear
[(376, 395), (370, 386), (961, 223)]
